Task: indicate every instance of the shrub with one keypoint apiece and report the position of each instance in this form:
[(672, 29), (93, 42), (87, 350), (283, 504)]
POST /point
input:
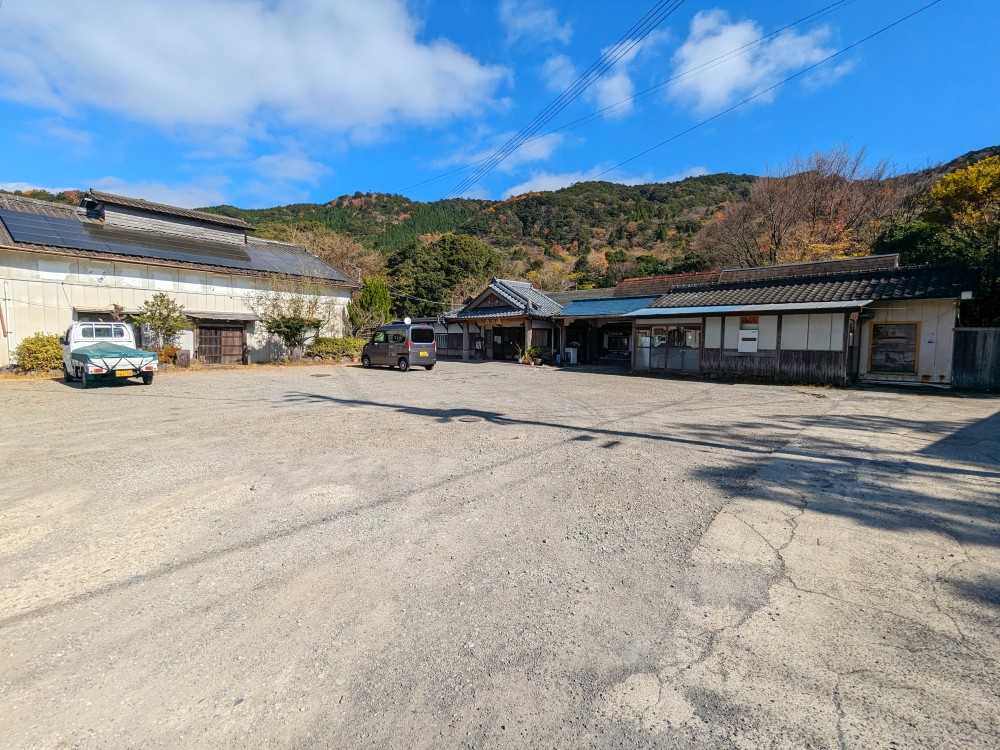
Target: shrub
[(41, 352), (327, 347), (168, 354)]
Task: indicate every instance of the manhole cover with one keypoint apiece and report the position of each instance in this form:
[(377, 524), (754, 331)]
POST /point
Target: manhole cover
[(470, 419)]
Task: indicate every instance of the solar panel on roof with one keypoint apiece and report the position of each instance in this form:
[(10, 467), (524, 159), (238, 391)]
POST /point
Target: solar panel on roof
[(73, 234)]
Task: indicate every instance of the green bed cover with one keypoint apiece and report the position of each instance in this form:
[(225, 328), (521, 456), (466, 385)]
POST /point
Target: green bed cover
[(109, 350)]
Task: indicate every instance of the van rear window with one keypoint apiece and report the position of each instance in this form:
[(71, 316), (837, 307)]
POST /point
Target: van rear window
[(422, 335)]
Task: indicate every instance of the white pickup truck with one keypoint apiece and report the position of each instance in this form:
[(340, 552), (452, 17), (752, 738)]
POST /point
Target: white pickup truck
[(94, 352)]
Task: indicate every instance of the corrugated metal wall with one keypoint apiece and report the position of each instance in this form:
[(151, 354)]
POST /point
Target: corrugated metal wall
[(977, 359)]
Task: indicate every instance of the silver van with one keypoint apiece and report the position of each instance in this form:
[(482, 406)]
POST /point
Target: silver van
[(401, 345)]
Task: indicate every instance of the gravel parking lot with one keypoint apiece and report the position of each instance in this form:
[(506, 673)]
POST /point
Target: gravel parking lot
[(491, 555)]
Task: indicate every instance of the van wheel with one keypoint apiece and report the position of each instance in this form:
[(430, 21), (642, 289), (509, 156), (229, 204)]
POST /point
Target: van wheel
[(404, 364), (429, 367), (366, 361), (66, 376)]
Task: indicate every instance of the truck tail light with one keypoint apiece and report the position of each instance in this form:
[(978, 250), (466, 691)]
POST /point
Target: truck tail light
[(98, 370), (148, 368)]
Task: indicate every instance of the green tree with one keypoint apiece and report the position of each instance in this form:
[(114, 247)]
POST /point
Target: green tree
[(372, 308), (163, 317), (428, 277), (960, 223)]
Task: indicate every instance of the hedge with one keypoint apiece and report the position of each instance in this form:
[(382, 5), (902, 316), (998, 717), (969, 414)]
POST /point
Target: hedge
[(39, 353), (326, 347)]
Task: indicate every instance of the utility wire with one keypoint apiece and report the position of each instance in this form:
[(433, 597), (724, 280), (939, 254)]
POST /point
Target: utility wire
[(769, 88), (608, 59), (628, 41), (690, 72)]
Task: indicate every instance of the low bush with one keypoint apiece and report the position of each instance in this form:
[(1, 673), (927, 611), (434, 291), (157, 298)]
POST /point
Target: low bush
[(327, 347), (39, 353), (168, 354)]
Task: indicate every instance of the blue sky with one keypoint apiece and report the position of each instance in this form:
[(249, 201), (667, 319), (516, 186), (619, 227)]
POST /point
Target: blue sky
[(265, 102)]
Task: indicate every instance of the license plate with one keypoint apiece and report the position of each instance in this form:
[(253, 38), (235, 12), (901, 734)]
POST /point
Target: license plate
[(423, 354), (123, 373)]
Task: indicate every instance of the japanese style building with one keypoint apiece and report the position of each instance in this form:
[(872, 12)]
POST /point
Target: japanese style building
[(60, 264), (858, 319)]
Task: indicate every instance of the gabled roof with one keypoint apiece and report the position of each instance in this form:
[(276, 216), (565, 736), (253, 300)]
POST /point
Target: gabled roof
[(42, 227), (523, 300), (162, 208), (535, 300), (924, 282), (813, 268)]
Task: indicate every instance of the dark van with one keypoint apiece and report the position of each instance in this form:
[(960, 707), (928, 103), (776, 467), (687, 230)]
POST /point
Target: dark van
[(401, 345)]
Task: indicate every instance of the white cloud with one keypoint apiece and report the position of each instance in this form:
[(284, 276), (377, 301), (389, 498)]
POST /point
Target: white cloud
[(558, 73), (547, 181), (714, 35), (613, 90), (204, 192), (338, 65), (533, 150), (532, 20), (26, 187), (291, 167)]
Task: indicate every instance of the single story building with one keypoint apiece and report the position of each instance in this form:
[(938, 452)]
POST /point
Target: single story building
[(582, 326), (838, 321), (60, 264)]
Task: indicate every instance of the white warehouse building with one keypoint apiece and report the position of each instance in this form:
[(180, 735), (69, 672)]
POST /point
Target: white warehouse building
[(60, 264)]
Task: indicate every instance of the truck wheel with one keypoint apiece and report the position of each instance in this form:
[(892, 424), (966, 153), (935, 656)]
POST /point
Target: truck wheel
[(66, 376), (404, 364), (147, 378), (83, 378), (366, 361)]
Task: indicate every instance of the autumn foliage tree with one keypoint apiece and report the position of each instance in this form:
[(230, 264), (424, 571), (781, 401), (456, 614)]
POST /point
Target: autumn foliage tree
[(830, 205), (959, 223)]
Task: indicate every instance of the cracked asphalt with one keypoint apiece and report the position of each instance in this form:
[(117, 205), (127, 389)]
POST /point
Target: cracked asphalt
[(493, 556)]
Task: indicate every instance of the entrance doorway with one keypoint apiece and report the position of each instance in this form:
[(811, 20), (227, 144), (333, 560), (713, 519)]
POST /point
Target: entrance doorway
[(684, 347), (221, 345), (507, 343)]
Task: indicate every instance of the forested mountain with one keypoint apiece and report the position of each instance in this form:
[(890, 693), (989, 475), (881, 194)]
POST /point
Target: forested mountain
[(826, 205)]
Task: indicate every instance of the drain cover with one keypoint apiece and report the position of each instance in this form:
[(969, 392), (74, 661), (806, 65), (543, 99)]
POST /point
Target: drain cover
[(320, 375), (470, 419)]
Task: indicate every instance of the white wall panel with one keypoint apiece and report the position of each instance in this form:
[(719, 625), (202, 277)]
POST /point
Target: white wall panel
[(713, 333), (794, 332), (732, 331), (767, 336)]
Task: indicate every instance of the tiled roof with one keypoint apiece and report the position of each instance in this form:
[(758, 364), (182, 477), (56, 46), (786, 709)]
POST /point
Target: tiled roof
[(925, 282), (492, 312), (656, 285), (161, 208), (815, 268), (536, 302)]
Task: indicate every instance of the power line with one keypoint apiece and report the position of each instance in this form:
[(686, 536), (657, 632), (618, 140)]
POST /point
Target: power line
[(769, 88), (628, 41), (690, 72)]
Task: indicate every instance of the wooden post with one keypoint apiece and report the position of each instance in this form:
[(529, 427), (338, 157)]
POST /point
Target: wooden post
[(466, 354)]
